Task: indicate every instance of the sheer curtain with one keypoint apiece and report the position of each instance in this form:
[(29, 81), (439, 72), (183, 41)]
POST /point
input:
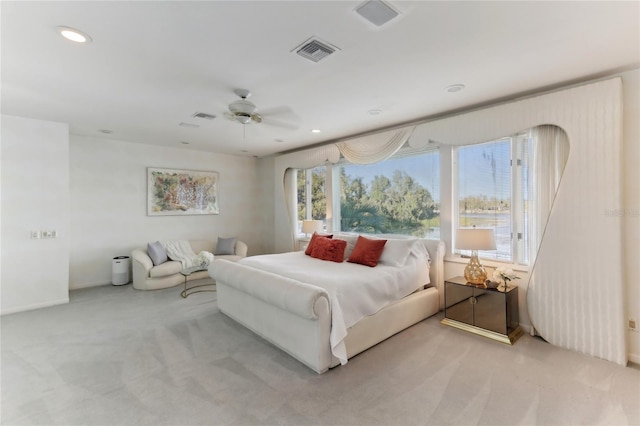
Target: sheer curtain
[(550, 150), (374, 148)]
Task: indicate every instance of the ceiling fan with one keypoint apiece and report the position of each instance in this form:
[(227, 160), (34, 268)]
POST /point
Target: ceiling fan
[(245, 112), (242, 110)]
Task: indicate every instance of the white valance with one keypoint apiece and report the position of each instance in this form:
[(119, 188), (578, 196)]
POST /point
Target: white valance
[(374, 148), (309, 158)]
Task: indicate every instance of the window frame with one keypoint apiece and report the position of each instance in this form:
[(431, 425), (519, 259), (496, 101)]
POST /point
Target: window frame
[(518, 246)]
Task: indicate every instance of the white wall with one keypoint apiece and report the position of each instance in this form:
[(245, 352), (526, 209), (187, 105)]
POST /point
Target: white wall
[(35, 196), (109, 203), (266, 167)]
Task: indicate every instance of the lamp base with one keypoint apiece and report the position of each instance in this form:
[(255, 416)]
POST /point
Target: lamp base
[(474, 272)]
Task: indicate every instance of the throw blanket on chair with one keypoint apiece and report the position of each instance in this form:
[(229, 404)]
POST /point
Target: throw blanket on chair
[(181, 250)]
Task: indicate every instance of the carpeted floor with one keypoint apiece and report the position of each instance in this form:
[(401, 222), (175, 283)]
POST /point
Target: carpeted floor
[(117, 356)]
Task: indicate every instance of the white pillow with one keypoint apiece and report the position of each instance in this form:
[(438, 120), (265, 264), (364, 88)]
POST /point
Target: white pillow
[(351, 242), (396, 252)]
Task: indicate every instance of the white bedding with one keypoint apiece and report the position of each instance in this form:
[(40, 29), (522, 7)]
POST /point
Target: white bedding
[(355, 291)]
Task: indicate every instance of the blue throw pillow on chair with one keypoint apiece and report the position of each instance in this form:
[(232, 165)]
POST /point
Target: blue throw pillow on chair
[(157, 253), (226, 246)]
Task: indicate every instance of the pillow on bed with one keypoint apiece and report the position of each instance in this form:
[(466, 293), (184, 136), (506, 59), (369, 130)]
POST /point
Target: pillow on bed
[(351, 243), (312, 242), (396, 252), (157, 253), (329, 249), (367, 252)]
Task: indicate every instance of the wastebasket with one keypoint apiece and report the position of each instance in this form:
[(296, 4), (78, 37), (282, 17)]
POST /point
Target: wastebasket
[(120, 270)]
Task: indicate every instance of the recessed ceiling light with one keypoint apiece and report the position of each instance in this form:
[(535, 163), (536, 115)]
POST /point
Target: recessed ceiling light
[(315, 131), (183, 124), (278, 140), (377, 12), (184, 142), (106, 131), (244, 150), (455, 88), (74, 35), (374, 112)]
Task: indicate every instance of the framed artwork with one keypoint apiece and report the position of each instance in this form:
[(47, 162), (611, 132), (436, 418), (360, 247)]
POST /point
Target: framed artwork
[(181, 192)]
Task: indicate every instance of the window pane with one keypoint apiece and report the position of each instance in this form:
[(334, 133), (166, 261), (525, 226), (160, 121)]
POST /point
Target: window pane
[(302, 195), (484, 192), (397, 196), (312, 194)]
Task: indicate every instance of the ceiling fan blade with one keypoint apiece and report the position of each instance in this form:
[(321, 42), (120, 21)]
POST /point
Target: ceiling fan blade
[(281, 110), (278, 123)]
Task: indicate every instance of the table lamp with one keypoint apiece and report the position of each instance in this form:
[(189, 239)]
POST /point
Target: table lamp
[(311, 226), (475, 239)]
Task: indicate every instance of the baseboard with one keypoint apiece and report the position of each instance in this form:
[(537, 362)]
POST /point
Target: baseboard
[(34, 306), (526, 328), (634, 358), (78, 286)]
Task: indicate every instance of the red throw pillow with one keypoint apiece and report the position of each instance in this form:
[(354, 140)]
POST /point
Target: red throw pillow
[(367, 252), (328, 249), (314, 237)]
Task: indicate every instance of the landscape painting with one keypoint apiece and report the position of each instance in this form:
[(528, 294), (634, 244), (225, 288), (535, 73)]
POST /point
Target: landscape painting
[(181, 192)]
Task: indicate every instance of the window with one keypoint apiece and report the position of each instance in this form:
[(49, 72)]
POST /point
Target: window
[(397, 196), (507, 184), (312, 195), (493, 194)]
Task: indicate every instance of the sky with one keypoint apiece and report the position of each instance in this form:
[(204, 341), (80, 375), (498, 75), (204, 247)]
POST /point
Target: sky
[(424, 168), (476, 172), (474, 165)]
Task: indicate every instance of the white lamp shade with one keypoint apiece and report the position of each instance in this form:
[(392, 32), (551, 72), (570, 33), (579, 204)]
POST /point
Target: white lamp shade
[(475, 239), (311, 226)]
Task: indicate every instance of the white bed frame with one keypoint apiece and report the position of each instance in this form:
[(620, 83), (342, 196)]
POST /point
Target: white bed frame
[(296, 317)]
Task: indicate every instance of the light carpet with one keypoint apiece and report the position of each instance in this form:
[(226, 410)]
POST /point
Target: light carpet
[(117, 356)]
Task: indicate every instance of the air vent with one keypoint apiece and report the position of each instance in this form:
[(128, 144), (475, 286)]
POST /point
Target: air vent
[(315, 50), (203, 115)]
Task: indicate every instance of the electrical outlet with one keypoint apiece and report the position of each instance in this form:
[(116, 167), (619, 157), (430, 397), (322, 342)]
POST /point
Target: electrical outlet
[(633, 325)]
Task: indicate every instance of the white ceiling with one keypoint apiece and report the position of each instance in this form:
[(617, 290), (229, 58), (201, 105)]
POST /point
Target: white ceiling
[(152, 65)]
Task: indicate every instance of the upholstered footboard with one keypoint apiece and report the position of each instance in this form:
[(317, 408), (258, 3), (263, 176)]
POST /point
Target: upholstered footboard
[(296, 316), (292, 315)]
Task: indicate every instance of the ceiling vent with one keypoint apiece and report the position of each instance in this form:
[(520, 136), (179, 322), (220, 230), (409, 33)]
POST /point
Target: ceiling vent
[(203, 115), (377, 12), (315, 50)]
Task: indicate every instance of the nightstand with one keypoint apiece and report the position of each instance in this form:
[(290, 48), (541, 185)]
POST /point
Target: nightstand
[(303, 242), (489, 312)]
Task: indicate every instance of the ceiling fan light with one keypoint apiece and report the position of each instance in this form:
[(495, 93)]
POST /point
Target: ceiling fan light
[(242, 106), (243, 118)]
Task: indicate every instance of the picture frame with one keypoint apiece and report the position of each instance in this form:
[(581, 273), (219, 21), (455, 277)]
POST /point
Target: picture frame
[(172, 192)]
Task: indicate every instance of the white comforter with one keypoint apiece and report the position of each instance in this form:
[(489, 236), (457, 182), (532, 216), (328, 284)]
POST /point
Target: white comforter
[(355, 291)]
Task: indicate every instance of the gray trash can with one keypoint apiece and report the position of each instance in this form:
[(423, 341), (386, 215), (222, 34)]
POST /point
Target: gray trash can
[(120, 270)]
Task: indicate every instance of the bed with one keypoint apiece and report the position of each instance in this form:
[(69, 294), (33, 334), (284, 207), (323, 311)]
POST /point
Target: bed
[(323, 313)]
